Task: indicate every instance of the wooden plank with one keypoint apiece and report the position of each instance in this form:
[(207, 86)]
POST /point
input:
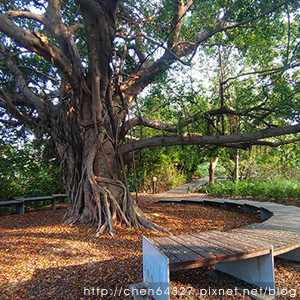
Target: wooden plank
[(173, 248), (272, 235), (184, 248), (199, 252), (279, 227), (32, 199), (204, 248), (275, 241), (213, 203), (241, 241), (292, 223), (208, 255), (279, 239), (169, 200), (171, 256), (192, 200), (233, 205), (59, 195), (286, 248), (216, 242)]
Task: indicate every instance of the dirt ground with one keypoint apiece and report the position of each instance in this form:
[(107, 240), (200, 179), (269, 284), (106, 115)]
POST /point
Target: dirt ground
[(40, 258)]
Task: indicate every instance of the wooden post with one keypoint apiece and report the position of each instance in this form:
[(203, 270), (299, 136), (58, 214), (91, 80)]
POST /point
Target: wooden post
[(212, 167), (236, 167), (154, 179)]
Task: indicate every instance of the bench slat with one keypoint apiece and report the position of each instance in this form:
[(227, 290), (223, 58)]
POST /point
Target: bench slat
[(10, 202), (205, 248), (36, 198), (245, 248), (184, 253), (175, 249), (190, 251), (275, 237), (284, 242), (221, 242), (240, 240), (171, 256), (207, 254)]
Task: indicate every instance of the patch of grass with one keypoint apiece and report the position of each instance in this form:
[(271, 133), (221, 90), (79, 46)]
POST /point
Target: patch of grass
[(279, 189)]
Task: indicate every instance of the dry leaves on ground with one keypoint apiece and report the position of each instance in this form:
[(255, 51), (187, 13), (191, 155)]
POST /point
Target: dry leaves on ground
[(40, 258)]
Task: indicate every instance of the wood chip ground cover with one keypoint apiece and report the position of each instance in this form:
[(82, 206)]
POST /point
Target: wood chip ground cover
[(40, 258)]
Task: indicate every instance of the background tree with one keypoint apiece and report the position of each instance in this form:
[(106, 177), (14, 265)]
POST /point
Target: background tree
[(29, 170), (74, 70)]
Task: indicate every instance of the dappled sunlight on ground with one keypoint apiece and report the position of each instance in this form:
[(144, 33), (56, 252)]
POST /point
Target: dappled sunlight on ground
[(40, 258)]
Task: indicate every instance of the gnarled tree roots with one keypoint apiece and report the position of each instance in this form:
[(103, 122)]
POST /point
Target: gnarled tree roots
[(106, 208)]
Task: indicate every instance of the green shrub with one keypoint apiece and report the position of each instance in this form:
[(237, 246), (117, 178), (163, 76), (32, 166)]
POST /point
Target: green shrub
[(24, 173), (278, 188)]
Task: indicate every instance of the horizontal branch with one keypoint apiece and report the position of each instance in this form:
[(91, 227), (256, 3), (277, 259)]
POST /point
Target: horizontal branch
[(75, 27), (141, 121), (172, 140), (263, 72), (148, 123), (9, 106), (168, 50), (25, 14), (39, 73), (275, 145)]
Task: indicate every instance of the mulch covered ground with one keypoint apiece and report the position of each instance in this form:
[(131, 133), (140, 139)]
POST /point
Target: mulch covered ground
[(40, 258)]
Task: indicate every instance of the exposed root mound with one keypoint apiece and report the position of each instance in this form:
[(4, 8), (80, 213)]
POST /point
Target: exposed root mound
[(106, 208)]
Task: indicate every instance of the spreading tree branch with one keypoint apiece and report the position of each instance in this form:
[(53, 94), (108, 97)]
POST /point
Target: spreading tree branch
[(25, 14), (38, 43), (167, 141), (7, 103), (143, 77), (54, 24), (141, 121), (36, 101)]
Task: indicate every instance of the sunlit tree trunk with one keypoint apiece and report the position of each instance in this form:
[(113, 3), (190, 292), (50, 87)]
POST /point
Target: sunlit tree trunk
[(212, 167)]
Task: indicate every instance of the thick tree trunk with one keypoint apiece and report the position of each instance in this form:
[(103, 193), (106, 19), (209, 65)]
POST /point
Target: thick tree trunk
[(94, 178), (87, 134)]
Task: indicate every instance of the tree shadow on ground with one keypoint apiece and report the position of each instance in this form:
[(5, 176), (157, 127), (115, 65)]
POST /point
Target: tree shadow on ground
[(82, 281)]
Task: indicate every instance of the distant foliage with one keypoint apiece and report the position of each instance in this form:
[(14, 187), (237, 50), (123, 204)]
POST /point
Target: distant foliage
[(264, 173), (172, 167), (24, 172), (279, 189)]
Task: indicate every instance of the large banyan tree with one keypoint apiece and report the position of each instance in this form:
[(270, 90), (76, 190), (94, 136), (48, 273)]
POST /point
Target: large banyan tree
[(74, 70)]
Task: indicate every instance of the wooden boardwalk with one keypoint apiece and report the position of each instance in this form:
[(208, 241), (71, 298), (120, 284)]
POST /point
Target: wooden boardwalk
[(281, 229), (246, 253)]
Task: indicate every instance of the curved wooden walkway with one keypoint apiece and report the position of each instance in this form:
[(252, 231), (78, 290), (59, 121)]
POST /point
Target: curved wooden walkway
[(246, 253), (281, 227)]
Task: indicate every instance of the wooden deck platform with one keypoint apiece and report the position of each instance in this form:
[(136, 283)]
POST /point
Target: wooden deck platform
[(210, 248), (246, 253)]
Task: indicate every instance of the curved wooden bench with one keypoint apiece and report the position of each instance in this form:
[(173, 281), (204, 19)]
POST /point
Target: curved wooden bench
[(246, 253)]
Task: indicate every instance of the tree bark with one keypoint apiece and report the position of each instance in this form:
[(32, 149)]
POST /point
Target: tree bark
[(91, 164), (222, 140), (236, 167), (212, 167)]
